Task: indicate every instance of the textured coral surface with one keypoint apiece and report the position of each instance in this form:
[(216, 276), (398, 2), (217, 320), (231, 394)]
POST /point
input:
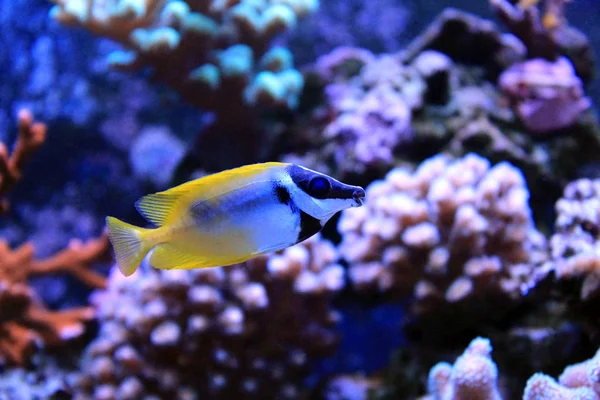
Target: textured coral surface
[(449, 232), (250, 330)]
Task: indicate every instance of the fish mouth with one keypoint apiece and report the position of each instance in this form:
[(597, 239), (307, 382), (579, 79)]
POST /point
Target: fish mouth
[(359, 197)]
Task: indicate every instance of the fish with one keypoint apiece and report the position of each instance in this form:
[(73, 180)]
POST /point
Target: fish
[(230, 217)]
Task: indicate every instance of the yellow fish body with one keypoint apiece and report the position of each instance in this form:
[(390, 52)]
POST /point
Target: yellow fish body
[(231, 217)]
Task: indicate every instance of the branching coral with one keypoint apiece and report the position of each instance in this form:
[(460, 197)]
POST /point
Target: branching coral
[(458, 234), (25, 322), (473, 376), (31, 135), (243, 331), (216, 54)]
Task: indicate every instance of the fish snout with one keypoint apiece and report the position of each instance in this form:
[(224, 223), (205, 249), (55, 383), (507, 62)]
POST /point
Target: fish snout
[(359, 196)]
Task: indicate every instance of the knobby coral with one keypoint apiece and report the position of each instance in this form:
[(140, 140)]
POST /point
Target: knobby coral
[(577, 382), (575, 245), (473, 376), (248, 331), (31, 135), (367, 117), (455, 233)]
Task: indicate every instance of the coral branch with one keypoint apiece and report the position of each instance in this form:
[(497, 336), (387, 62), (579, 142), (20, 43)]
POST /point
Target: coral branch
[(31, 135), (76, 260), (25, 322), (18, 265)]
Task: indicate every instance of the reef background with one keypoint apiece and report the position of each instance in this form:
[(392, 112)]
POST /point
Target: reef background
[(464, 235)]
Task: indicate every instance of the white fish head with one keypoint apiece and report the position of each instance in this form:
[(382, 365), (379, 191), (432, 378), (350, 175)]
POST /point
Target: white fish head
[(319, 195)]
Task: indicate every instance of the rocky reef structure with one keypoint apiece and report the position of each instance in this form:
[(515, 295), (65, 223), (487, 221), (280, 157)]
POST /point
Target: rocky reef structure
[(542, 28), (454, 234), (461, 86), (216, 55), (250, 330)]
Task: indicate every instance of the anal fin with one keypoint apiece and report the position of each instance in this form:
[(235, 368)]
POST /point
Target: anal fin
[(166, 256)]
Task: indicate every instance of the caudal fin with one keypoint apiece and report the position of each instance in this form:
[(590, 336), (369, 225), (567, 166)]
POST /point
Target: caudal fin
[(129, 244)]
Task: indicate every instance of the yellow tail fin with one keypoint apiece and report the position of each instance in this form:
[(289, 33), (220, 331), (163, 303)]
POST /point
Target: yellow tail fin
[(129, 244)]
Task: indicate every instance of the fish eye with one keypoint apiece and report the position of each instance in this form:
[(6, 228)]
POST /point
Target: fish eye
[(319, 186)]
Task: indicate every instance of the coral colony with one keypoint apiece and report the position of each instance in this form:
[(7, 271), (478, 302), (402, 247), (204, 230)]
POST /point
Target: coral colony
[(477, 142)]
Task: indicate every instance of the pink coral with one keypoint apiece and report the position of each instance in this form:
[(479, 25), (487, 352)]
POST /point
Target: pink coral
[(575, 245), (452, 232), (473, 376), (246, 331), (577, 382), (548, 96), (544, 387)]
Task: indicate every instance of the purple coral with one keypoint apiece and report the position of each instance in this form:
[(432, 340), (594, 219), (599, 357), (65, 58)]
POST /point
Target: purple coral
[(370, 101), (249, 330), (547, 95), (372, 112)]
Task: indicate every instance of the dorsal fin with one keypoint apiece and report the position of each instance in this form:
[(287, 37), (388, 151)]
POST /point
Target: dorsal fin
[(165, 207), (159, 208)]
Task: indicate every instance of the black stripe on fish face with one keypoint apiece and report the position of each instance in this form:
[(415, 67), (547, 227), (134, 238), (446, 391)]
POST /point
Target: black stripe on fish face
[(308, 226), (321, 186), (283, 195)]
